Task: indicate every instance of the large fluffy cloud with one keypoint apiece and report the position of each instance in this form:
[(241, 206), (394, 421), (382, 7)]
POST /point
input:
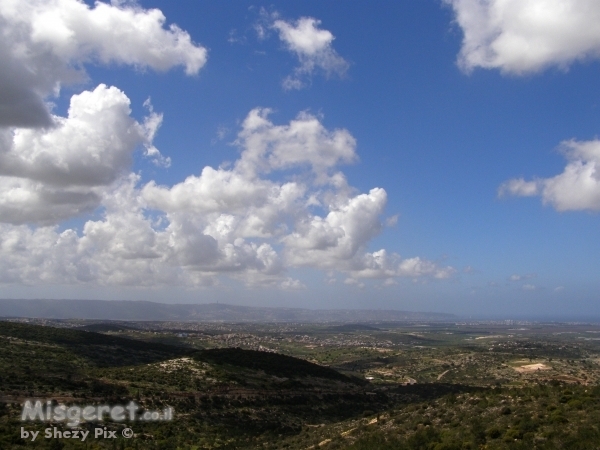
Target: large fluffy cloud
[(521, 36), (52, 167), (242, 204), (283, 204), (51, 174), (313, 48), (576, 188), (90, 147), (44, 44)]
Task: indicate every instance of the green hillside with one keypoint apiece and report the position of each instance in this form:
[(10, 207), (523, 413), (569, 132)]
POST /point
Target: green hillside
[(406, 387), (227, 398)]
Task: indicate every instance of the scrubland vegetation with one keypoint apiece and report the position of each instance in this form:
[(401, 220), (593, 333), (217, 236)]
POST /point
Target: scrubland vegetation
[(296, 386)]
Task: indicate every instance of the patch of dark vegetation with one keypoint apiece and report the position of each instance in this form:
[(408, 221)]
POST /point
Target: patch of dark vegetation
[(431, 391), (271, 363), (97, 349)]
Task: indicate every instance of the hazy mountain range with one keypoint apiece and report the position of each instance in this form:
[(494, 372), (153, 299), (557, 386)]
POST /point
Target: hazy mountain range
[(211, 312)]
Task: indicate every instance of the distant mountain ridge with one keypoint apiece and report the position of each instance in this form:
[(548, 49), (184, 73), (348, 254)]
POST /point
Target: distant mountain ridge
[(208, 312)]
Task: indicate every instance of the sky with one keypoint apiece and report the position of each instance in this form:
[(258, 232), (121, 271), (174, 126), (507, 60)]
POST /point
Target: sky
[(437, 155)]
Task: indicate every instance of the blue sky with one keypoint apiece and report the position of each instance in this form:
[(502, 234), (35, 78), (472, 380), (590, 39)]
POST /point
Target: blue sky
[(286, 144)]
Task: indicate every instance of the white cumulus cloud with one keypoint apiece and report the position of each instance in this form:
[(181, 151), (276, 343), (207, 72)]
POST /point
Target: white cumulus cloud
[(525, 36), (45, 44), (51, 174), (577, 188), (240, 223), (304, 142), (52, 167)]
